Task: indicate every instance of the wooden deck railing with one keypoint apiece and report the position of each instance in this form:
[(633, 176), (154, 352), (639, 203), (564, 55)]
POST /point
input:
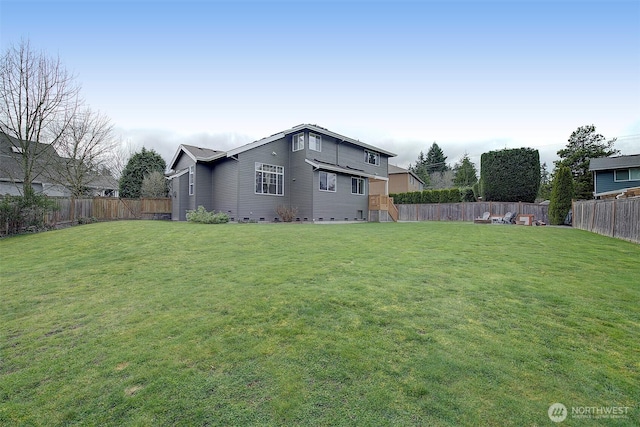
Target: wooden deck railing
[(379, 202)]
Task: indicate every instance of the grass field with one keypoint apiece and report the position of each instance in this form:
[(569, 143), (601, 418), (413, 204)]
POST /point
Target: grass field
[(443, 324)]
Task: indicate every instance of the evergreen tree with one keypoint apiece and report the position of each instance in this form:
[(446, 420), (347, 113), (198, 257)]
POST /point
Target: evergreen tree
[(139, 165), (436, 161), (561, 195), (420, 168), (465, 172), (544, 192), (584, 144)]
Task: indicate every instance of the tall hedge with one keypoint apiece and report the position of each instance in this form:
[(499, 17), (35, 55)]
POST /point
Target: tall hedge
[(561, 194), (510, 175), (446, 195)]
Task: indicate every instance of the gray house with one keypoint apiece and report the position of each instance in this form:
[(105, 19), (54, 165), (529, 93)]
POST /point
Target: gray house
[(324, 176), (613, 176), (48, 179)]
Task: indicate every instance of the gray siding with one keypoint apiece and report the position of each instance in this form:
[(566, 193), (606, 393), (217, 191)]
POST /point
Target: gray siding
[(353, 156), (339, 205), (604, 181), (300, 181), (224, 181), (345, 154), (203, 187), (180, 197), (183, 162), (262, 206)]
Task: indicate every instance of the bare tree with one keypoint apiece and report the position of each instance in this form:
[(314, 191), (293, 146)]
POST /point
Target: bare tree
[(120, 156), (86, 147), (439, 180), (38, 99), (154, 185)]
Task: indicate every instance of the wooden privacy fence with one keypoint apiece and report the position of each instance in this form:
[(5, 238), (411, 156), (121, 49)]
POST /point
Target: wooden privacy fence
[(108, 208), (468, 211), (611, 217)]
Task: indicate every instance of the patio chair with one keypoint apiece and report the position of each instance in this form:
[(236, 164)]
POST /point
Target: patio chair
[(509, 218), (484, 219)]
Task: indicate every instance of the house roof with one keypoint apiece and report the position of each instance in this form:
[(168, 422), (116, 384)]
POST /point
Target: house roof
[(604, 163), (398, 170), (46, 165), (197, 154), (343, 169), (313, 128)]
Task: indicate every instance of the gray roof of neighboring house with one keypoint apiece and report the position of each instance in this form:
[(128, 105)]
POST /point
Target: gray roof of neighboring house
[(313, 128), (397, 170), (619, 162), (12, 170)]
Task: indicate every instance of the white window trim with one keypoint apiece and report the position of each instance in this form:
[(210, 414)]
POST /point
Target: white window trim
[(318, 139), (367, 154), (364, 189), (320, 181), (295, 139), (192, 179), (615, 175), (260, 165)]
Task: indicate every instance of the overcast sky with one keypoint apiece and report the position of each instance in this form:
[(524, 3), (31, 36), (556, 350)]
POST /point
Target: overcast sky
[(472, 76)]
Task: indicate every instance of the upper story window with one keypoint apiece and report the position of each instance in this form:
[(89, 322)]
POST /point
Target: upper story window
[(371, 157), (269, 179), (192, 179), (631, 174), (297, 142), (327, 181), (315, 142), (357, 185)]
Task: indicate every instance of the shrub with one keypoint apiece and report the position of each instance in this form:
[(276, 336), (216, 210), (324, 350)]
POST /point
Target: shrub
[(286, 214), (561, 195), (202, 216), (87, 220), (467, 194), (20, 213)]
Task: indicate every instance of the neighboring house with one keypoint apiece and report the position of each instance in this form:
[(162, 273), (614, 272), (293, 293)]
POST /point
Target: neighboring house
[(403, 180), (324, 176), (47, 180), (615, 176)]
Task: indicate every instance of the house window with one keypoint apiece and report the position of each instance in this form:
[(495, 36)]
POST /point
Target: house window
[(192, 179), (298, 142), (631, 174), (371, 157), (327, 181), (269, 179), (357, 185), (315, 142)]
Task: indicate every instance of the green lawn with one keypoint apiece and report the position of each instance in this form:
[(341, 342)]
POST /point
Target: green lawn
[(164, 323)]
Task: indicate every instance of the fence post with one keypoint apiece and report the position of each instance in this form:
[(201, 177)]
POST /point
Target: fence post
[(613, 218)]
